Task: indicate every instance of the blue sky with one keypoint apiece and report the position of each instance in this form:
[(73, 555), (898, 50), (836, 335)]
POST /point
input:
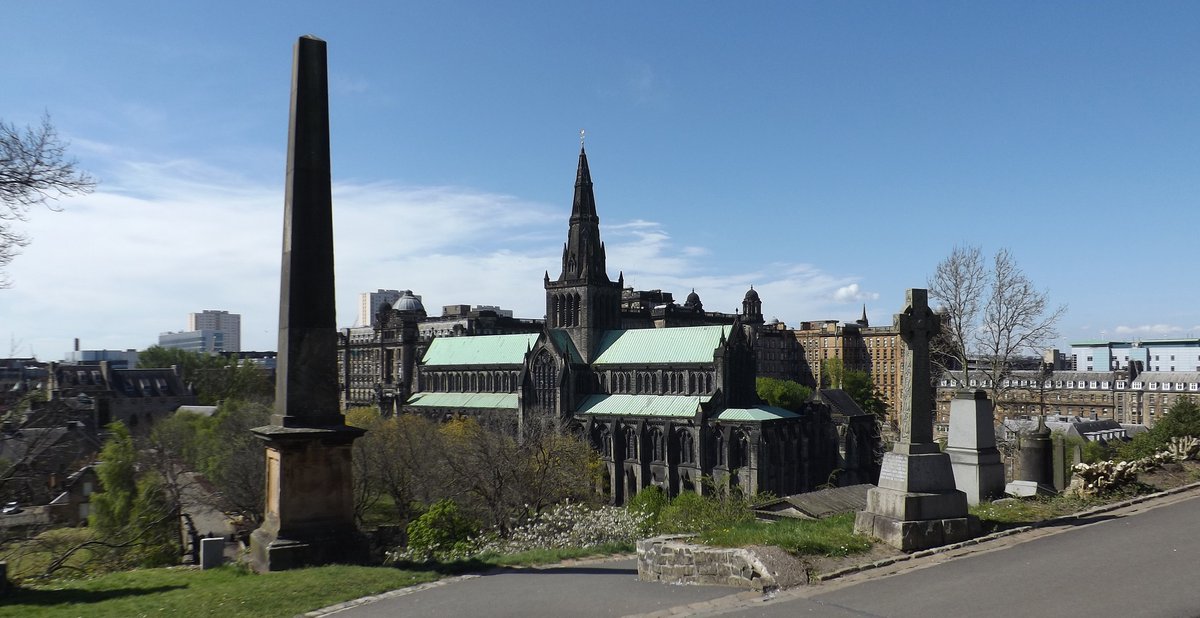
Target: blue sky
[(827, 153)]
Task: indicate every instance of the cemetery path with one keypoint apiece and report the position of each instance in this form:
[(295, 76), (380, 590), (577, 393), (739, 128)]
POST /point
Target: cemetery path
[(1139, 560), (599, 588)]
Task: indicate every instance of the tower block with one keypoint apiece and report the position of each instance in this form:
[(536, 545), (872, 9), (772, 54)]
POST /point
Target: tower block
[(309, 516)]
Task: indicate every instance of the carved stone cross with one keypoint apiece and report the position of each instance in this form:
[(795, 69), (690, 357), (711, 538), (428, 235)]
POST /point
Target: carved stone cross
[(917, 325)]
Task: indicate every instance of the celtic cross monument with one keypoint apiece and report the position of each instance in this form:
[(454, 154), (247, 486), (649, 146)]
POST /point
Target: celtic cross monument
[(916, 505)]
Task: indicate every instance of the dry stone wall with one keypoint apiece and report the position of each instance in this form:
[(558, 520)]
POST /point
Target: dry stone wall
[(672, 559)]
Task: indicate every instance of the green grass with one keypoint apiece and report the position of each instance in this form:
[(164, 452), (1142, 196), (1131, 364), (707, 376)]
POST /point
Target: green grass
[(833, 536), (1012, 513), (226, 592), (30, 557)]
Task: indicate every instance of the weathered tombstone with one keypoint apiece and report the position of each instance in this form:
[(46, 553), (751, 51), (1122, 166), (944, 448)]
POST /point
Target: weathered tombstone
[(1035, 473), (1060, 474), (916, 505), (309, 516), (971, 446), (212, 553)]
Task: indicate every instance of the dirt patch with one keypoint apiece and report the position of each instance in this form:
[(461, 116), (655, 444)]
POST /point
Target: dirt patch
[(827, 564), (1172, 475)]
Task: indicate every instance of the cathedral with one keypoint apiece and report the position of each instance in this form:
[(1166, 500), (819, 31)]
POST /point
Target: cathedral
[(666, 406)]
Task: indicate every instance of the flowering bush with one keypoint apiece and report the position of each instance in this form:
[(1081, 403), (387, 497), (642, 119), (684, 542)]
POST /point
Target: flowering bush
[(567, 525), (571, 525)]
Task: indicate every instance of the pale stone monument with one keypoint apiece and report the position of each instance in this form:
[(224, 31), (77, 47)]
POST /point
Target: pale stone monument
[(916, 505), (309, 517), (971, 446)]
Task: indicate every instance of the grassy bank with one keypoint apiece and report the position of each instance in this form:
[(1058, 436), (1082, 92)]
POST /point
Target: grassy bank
[(225, 592)]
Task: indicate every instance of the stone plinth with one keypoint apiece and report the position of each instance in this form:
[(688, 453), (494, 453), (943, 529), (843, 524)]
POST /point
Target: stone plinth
[(309, 516), (916, 505), (974, 458)]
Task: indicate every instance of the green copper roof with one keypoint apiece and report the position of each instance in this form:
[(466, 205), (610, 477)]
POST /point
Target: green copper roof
[(481, 350), (650, 346), (643, 405), (757, 413), (464, 400), (563, 340)]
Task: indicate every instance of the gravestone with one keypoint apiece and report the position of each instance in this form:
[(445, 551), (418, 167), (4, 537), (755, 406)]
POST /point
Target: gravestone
[(309, 516), (1035, 474), (971, 446), (212, 552), (1061, 474), (916, 505)]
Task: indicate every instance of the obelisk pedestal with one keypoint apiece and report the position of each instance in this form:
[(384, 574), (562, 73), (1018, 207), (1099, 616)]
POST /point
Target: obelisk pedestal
[(916, 505), (309, 515), (971, 445)]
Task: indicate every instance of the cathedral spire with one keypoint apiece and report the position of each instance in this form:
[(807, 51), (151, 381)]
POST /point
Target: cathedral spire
[(583, 255), (585, 200)]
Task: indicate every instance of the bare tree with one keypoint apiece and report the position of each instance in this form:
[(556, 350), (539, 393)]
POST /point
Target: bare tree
[(34, 170), (992, 315)]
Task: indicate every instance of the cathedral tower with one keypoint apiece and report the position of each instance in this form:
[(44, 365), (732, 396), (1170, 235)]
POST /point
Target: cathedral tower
[(583, 301)]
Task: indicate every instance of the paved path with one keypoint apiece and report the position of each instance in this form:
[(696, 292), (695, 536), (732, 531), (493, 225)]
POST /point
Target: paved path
[(1141, 560), (588, 589)]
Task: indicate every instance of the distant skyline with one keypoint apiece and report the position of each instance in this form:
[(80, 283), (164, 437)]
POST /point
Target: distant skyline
[(829, 154)]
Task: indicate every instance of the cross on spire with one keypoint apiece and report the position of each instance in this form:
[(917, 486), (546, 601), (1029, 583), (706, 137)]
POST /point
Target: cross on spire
[(581, 135)]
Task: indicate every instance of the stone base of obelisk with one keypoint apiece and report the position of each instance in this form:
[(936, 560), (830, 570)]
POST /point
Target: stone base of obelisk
[(309, 518), (916, 505)]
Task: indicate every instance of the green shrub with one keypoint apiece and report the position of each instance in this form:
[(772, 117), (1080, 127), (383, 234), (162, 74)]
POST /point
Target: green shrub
[(440, 529), (691, 512), (650, 503)]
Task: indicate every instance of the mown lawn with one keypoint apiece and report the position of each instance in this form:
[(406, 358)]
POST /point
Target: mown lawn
[(226, 592), (833, 536)]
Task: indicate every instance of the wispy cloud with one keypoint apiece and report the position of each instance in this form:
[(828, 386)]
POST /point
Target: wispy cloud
[(159, 240), (1154, 330)]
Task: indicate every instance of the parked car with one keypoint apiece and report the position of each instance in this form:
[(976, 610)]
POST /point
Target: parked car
[(10, 508)]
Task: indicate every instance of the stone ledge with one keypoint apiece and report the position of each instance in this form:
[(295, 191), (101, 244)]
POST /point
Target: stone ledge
[(674, 560)]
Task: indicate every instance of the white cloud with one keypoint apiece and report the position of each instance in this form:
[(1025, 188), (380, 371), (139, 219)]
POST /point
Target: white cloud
[(1152, 330), (159, 240), (852, 293)]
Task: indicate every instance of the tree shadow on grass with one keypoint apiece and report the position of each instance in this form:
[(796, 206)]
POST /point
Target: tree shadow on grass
[(62, 596)]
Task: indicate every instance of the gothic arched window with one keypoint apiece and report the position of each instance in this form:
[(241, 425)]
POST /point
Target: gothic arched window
[(631, 445), (658, 451), (687, 447)]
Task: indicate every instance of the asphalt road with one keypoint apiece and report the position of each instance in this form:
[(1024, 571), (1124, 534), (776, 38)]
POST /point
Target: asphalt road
[(1141, 561), (596, 589), (1145, 564)]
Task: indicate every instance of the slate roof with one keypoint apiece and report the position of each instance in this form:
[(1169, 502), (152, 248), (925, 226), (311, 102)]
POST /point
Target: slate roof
[(464, 400), (841, 401), (678, 406), (756, 413), (660, 346), (480, 350), (818, 504)]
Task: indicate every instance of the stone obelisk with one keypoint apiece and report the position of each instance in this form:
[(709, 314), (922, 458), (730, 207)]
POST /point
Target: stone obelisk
[(916, 505), (309, 515)]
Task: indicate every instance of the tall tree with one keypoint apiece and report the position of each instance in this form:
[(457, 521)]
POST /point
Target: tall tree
[(992, 314), (785, 394), (34, 170)]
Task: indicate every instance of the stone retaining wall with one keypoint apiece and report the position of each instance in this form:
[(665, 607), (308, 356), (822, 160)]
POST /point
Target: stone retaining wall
[(672, 559)]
